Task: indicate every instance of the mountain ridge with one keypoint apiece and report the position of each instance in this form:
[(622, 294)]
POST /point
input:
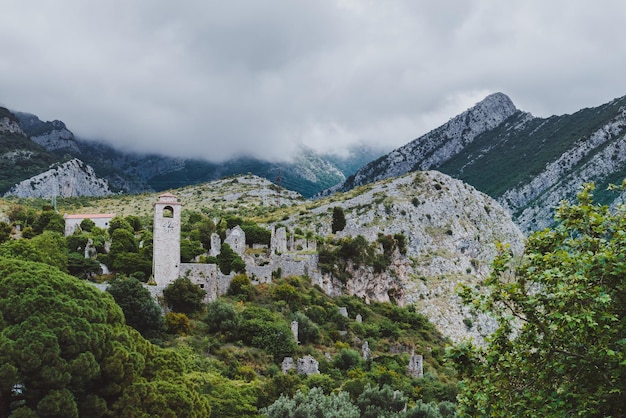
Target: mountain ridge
[(308, 173), (528, 164)]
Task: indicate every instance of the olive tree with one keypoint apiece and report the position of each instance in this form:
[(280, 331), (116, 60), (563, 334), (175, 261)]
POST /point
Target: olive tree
[(559, 349)]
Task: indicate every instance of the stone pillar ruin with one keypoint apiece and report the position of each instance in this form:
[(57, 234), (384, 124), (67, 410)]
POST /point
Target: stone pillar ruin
[(365, 349), (288, 364), (216, 245), (236, 238), (307, 365), (278, 244), (294, 330), (415, 369)]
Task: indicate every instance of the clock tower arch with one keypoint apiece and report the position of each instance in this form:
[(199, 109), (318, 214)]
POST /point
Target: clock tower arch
[(166, 239)]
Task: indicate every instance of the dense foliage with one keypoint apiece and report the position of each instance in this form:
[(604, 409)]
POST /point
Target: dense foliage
[(339, 220), (66, 352), (560, 346), (226, 354), (140, 309)]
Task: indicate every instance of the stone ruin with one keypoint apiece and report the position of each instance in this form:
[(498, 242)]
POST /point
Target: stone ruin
[(306, 365), (294, 331), (365, 350), (415, 368), (236, 238)]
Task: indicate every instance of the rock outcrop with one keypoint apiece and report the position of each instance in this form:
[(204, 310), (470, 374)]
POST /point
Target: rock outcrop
[(73, 178), (451, 231)]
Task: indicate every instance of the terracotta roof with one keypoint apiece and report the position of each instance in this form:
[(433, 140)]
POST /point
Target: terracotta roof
[(89, 215)]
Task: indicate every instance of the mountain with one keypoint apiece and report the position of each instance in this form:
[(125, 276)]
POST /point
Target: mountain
[(70, 179), (529, 164), (20, 157), (307, 174), (451, 230)]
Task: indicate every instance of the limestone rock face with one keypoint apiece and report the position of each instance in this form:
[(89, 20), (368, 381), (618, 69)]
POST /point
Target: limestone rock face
[(74, 178), (10, 125), (451, 231)]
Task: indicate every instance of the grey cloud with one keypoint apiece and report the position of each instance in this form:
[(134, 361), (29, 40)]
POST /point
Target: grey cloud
[(218, 79)]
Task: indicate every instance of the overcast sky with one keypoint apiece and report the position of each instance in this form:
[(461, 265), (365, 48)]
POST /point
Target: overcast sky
[(220, 78)]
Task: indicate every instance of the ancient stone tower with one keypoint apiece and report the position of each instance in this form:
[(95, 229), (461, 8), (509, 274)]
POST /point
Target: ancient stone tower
[(166, 239)]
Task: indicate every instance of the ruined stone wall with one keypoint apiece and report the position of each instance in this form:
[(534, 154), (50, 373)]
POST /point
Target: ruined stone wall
[(208, 277)]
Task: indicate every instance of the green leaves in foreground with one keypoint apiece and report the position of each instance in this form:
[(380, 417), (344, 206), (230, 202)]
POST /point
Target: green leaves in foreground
[(559, 348)]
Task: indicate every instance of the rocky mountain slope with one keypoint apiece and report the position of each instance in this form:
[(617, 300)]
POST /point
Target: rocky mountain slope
[(73, 178), (20, 158), (132, 173), (450, 229), (527, 163)]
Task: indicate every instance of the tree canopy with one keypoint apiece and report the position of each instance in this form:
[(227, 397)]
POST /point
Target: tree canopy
[(140, 309), (65, 351), (559, 348)]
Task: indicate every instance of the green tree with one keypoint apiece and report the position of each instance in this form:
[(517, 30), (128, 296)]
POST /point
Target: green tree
[(122, 241), (81, 267), (312, 405), (559, 347), (119, 223), (189, 250), (177, 323), (49, 216), (339, 219), (184, 296), (228, 260), (87, 225), (221, 317), (241, 287), (377, 402), (140, 309), (5, 231), (49, 248), (65, 351)]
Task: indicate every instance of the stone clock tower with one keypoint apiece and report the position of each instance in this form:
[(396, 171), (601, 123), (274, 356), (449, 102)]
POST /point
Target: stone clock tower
[(166, 240)]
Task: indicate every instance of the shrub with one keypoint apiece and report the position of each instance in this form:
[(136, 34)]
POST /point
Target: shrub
[(177, 323), (241, 287), (184, 296)]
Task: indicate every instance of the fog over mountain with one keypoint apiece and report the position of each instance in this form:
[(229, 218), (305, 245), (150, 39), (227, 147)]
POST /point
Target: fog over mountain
[(218, 80)]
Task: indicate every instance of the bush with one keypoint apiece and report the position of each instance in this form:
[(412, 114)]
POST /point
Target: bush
[(87, 225), (140, 309), (377, 402), (228, 260), (312, 404), (241, 287), (221, 317), (347, 359), (339, 220), (177, 323), (424, 410), (184, 296)]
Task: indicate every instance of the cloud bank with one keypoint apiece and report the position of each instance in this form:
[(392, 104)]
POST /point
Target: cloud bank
[(217, 79)]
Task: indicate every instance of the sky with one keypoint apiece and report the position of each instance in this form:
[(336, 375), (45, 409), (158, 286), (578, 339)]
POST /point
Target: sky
[(221, 79)]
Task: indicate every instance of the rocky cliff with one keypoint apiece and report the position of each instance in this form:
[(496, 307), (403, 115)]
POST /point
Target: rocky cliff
[(53, 136), (73, 178), (451, 230)]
